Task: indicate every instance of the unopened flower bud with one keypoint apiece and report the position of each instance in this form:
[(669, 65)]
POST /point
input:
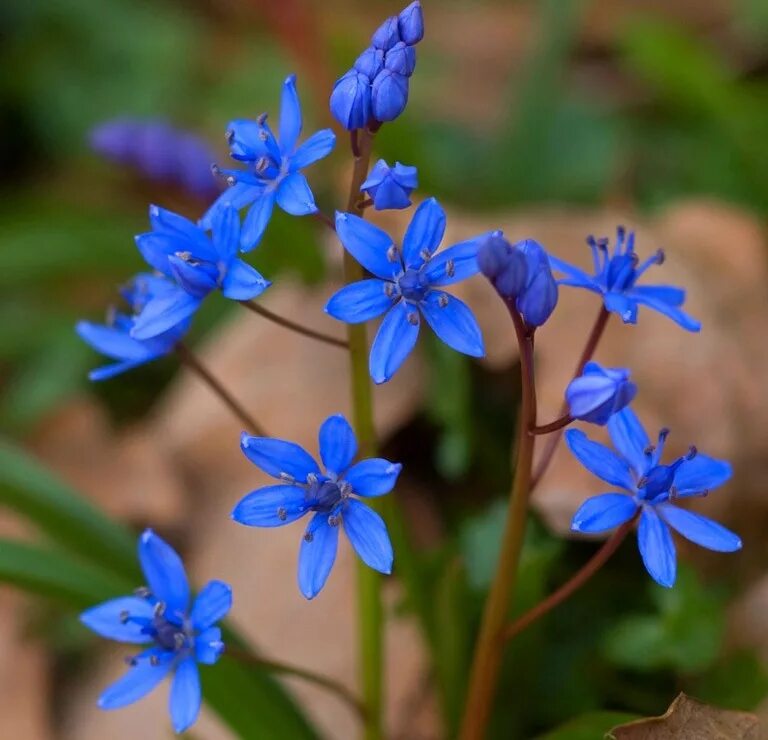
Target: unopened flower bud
[(401, 59), (539, 296), (390, 187), (370, 62), (599, 392), (351, 100), (410, 23), (503, 265), (387, 34), (389, 95)]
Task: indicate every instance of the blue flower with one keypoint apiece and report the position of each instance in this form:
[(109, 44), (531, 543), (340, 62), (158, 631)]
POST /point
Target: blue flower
[(114, 339), (616, 279), (390, 187), (176, 637), (599, 392), (303, 488), (406, 287), (273, 173), (650, 489), (196, 263)]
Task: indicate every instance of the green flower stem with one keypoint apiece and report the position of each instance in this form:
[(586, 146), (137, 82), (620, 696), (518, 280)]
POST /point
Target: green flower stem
[(489, 646)]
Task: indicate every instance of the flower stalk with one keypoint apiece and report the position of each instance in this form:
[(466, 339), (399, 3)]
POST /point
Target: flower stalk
[(257, 308)]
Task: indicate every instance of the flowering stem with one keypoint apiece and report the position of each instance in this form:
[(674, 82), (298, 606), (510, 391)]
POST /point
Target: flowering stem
[(488, 648), (293, 326), (191, 361), (326, 219), (589, 349), (597, 561), (553, 426)]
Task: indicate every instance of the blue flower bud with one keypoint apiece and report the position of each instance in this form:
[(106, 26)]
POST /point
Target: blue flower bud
[(387, 34), (599, 392), (370, 62), (351, 100), (390, 187), (539, 297), (389, 95), (401, 59), (503, 265), (410, 23)]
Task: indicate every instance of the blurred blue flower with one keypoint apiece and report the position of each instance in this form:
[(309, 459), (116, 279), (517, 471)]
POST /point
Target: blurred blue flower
[(273, 173), (616, 279), (405, 287), (650, 489), (303, 488), (176, 636), (599, 392), (198, 264), (114, 339), (390, 187), (159, 151)]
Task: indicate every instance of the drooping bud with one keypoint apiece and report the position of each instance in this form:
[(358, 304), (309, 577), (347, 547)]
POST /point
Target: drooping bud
[(503, 265), (370, 62), (401, 59), (351, 100), (599, 392), (389, 95), (410, 23), (539, 297), (390, 187), (387, 34)]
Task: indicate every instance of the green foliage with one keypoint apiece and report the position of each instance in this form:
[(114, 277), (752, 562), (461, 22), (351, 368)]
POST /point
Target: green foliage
[(738, 680)]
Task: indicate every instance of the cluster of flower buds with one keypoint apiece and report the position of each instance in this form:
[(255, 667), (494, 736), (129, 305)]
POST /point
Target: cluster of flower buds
[(520, 272), (376, 88)]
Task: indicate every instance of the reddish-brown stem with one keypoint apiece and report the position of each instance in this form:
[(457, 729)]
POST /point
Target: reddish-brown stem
[(354, 142), (553, 426), (597, 561), (326, 219), (292, 325)]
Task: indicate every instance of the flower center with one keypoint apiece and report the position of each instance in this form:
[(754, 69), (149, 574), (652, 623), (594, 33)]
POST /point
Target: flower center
[(413, 285), (327, 496)]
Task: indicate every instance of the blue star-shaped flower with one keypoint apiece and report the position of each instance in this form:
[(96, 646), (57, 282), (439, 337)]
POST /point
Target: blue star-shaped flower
[(599, 393), (114, 339), (176, 636), (406, 287), (616, 279), (651, 489), (196, 263), (274, 168), (303, 488)]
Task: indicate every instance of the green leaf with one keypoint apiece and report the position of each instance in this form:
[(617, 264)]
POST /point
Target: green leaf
[(589, 726), (738, 681)]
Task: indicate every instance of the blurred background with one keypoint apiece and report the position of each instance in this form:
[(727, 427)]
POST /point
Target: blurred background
[(548, 118)]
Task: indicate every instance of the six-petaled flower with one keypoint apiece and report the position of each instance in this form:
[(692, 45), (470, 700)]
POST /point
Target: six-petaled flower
[(407, 286), (390, 187), (650, 489), (329, 494), (177, 632)]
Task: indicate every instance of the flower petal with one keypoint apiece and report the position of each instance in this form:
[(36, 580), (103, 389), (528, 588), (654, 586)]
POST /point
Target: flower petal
[(424, 233), (256, 221), (164, 571), (211, 604), (368, 534), (360, 301), (700, 529), (599, 513), (338, 445), (599, 460), (317, 146), (368, 244), (137, 682), (455, 263), (279, 458), (622, 305), (665, 293), (394, 341), (238, 196), (657, 304), (701, 474), (294, 195), (163, 313), (208, 646), (317, 555), (657, 548), (373, 477), (110, 371), (226, 231), (290, 116), (243, 282), (167, 222), (185, 699), (106, 619), (629, 438), (157, 248), (271, 506), (453, 322), (112, 342), (577, 277)]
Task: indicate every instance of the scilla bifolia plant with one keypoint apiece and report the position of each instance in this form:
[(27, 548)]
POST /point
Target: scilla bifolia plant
[(401, 282)]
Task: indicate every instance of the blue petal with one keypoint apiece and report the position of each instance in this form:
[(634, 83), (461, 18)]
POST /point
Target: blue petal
[(657, 548), (112, 342), (208, 646), (290, 116), (664, 293), (157, 248), (394, 341), (279, 458), (211, 604), (226, 232), (168, 222), (137, 682), (317, 146), (622, 305), (463, 259), (424, 233), (701, 474), (106, 619), (368, 244), (679, 317), (373, 477), (256, 221), (294, 195), (162, 314), (578, 278), (197, 279), (165, 574), (389, 195), (368, 534), (599, 513), (700, 529), (630, 439), (453, 322), (185, 699), (317, 555), (389, 95), (338, 445), (110, 371), (599, 460), (271, 506), (360, 301), (350, 100), (238, 196), (242, 282), (249, 140)]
